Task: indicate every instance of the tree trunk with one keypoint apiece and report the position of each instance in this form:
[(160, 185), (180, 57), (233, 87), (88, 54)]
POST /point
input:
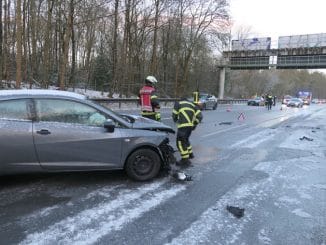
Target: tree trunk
[(73, 56), (1, 41), (115, 47), (5, 60), (125, 49), (153, 68), (33, 53), (47, 45), (19, 45), (25, 40), (67, 36)]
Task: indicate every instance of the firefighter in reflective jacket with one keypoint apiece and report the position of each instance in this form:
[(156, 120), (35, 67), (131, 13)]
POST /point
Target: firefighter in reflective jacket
[(148, 99), (187, 116)]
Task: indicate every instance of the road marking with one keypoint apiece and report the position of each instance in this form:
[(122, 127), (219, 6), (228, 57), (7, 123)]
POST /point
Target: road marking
[(222, 131)]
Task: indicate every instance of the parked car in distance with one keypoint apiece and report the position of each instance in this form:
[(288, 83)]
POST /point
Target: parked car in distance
[(257, 101), (207, 101), (286, 99), (58, 131), (295, 102), (315, 101)]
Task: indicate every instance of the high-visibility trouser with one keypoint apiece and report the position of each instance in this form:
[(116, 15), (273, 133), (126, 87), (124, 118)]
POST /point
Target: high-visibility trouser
[(183, 143), (151, 115)]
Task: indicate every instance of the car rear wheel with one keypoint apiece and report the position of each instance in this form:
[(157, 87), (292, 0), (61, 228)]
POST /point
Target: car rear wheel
[(143, 164), (215, 106)]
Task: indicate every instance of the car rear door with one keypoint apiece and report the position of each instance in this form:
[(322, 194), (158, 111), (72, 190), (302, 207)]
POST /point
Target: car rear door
[(69, 135), (17, 152)]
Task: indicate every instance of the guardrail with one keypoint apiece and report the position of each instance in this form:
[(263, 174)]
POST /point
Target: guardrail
[(163, 101)]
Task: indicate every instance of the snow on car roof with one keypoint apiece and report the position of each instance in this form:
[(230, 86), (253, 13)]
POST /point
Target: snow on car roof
[(49, 92)]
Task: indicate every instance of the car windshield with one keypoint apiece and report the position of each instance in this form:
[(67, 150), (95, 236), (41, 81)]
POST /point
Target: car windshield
[(203, 96), (111, 111)]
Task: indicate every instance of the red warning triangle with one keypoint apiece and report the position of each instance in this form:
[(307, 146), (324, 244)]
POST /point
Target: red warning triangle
[(241, 116)]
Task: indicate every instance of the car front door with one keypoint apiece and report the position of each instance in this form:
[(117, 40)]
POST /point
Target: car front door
[(69, 135), (17, 152)]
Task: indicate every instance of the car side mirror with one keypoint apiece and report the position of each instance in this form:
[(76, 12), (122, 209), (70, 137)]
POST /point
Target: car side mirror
[(109, 125)]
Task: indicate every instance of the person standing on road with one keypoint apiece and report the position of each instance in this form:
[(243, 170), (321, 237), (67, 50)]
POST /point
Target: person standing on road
[(269, 101), (187, 116), (148, 100)]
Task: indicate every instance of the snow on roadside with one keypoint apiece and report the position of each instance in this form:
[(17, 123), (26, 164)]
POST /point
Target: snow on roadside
[(90, 225)]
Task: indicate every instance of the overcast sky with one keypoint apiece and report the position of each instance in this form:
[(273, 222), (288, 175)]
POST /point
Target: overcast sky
[(274, 18)]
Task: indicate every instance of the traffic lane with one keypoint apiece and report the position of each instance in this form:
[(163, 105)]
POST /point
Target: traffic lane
[(229, 118)]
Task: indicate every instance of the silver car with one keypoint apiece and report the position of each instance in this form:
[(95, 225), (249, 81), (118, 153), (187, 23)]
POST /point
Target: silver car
[(47, 131)]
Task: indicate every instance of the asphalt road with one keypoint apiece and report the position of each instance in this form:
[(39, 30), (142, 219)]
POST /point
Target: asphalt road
[(245, 157)]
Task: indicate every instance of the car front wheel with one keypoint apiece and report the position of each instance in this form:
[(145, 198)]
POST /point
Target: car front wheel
[(143, 164)]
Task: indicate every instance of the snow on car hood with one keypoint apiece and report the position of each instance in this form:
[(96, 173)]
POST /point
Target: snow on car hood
[(140, 122)]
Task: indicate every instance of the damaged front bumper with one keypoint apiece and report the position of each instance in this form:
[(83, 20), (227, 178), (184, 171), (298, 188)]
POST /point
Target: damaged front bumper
[(167, 153), (169, 162)]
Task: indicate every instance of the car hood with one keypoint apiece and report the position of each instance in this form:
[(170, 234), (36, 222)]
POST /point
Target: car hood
[(139, 122)]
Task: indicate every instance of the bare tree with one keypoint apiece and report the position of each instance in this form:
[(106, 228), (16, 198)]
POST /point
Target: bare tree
[(65, 45), (47, 44), (1, 41), (19, 45)]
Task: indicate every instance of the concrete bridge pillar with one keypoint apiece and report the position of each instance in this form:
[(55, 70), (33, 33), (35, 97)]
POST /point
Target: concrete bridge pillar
[(222, 82)]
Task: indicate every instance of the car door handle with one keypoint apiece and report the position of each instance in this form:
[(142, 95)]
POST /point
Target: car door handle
[(43, 131)]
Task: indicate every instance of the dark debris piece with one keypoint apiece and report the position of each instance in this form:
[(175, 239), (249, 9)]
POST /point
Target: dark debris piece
[(225, 123), (236, 211), (306, 138)]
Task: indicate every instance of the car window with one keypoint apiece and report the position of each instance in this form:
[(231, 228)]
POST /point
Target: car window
[(14, 109), (54, 110)]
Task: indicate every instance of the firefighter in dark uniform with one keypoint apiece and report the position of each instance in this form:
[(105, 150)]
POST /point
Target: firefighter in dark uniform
[(269, 100), (149, 102), (187, 116)]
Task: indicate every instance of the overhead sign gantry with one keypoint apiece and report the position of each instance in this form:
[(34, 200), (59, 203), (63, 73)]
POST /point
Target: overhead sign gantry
[(293, 52)]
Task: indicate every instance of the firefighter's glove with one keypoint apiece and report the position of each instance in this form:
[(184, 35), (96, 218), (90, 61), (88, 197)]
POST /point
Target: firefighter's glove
[(158, 116)]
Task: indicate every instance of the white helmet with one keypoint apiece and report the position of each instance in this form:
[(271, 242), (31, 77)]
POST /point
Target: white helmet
[(151, 79)]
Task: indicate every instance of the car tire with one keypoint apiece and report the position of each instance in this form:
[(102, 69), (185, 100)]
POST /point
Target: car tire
[(215, 106), (204, 107), (143, 164)]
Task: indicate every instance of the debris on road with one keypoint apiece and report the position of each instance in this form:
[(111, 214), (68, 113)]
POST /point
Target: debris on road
[(236, 211), (306, 138), (182, 176), (225, 123)]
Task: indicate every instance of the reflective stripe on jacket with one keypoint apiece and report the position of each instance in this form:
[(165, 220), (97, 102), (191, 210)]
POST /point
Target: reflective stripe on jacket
[(186, 114)]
